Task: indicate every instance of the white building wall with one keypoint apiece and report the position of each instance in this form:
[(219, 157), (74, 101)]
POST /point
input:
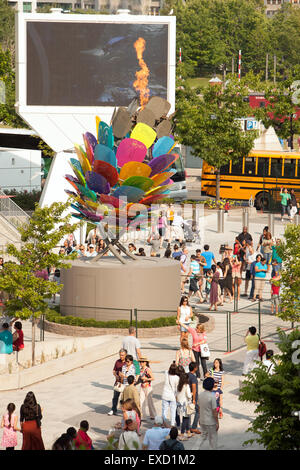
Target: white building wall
[(20, 169)]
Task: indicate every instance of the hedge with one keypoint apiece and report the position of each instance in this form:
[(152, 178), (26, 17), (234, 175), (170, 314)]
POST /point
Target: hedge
[(55, 317)]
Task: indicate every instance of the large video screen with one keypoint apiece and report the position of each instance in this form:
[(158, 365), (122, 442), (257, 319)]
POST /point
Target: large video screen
[(92, 64)]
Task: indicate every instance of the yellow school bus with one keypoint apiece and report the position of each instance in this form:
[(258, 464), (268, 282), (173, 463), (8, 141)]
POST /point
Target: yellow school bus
[(260, 175)]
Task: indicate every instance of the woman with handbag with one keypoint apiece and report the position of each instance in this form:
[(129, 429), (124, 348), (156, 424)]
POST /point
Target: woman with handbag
[(184, 406), (199, 343), (184, 355), (169, 393), (146, 392), (30, 419)]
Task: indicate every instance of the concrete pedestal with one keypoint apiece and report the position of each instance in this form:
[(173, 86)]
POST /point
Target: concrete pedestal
[(108, 290)]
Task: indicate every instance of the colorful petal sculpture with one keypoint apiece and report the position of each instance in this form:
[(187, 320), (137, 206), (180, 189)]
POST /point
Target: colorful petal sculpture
[(107, 170), (114, 178), (106, 154), (105, 135), (132, 193), (134, 169), (130, 150), (162, 146), (97, 182), (139, 182), (161, 163), (143, 133)]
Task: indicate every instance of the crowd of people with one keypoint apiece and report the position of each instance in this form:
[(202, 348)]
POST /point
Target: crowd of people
[(216, 282), (181, 416)]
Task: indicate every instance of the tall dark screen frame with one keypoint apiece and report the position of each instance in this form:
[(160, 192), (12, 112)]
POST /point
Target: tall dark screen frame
[(82, 87)]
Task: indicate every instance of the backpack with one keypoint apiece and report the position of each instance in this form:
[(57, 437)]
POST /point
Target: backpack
[(262, 348)]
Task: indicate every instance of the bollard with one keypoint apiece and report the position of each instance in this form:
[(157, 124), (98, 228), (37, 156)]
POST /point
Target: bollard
[(297, 219), (271, 224), (246, 217), (220, 221)]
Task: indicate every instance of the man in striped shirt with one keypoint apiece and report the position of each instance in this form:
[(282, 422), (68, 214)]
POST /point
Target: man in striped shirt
[(194, 274)]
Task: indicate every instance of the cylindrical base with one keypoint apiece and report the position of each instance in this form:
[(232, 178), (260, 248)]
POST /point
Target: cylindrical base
[(108, 290)]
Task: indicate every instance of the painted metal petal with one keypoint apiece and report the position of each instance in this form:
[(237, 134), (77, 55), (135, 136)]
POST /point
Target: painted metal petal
[(130, 150), (97, 182)]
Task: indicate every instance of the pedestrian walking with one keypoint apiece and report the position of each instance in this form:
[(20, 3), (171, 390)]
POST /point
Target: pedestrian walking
[(260, 269), (184, 399), (30, 419), (118, 387), (169, 394), (199, 340), (209, 421), (217, 372), (184, 355), (146, 392), (193, 383), (285, 203), (252, 342), (133, 347), (9, 424), (184, 315)]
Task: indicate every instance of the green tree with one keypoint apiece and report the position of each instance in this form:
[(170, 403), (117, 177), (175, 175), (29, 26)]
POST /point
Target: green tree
[(289, 252), (211, 32), (27, 293), (284, 100), (277, 397), (284, 29), (208, 120)]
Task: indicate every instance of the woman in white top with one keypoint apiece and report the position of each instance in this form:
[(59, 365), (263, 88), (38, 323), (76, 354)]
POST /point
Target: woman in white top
[(169, 394), (184, 315), (184, 396)]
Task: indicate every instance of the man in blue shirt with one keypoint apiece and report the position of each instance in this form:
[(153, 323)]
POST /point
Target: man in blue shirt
[(252, 273), (6, 340), (209, 258), (155, 436)]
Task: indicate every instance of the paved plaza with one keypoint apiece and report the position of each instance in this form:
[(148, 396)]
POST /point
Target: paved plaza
[(86, 393)]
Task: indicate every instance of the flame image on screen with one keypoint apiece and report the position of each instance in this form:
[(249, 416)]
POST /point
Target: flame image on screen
[(141, 82)]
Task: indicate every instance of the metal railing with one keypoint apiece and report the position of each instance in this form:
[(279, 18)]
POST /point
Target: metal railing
[(11, 212)]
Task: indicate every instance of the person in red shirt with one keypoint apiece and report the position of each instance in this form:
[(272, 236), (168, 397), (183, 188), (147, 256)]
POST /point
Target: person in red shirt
[(82, 440), (275, 288), (18, 337)]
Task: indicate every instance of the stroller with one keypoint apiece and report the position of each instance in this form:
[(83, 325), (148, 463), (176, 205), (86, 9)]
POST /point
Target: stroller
[(191, 232)]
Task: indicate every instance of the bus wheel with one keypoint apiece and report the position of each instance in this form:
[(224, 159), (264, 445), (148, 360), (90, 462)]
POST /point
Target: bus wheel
[(262, 201)]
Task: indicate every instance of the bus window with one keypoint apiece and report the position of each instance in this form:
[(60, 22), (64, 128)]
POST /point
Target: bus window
[(249, 166), (237, 168), (224, 170), (298, 169), (263, 167), (289, 167), (276, 167)]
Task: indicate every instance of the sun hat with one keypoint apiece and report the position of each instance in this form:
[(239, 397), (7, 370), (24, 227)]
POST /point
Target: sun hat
[(143, 359)]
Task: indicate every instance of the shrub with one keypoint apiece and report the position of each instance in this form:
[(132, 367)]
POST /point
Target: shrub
[(55, 317)]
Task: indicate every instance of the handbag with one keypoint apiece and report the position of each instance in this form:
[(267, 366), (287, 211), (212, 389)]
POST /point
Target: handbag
[(119, 387), (204, 350), (190, 408)]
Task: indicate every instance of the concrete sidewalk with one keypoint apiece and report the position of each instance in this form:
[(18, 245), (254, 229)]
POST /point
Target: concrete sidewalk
[(86, 393)]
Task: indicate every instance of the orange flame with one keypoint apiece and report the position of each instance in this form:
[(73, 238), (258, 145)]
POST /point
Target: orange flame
[(141, 82)]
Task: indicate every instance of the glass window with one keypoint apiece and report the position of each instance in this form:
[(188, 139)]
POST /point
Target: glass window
[(263, 167), (289, 167), (250, 166), (276, 167), (237, 167), (224, 170)]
